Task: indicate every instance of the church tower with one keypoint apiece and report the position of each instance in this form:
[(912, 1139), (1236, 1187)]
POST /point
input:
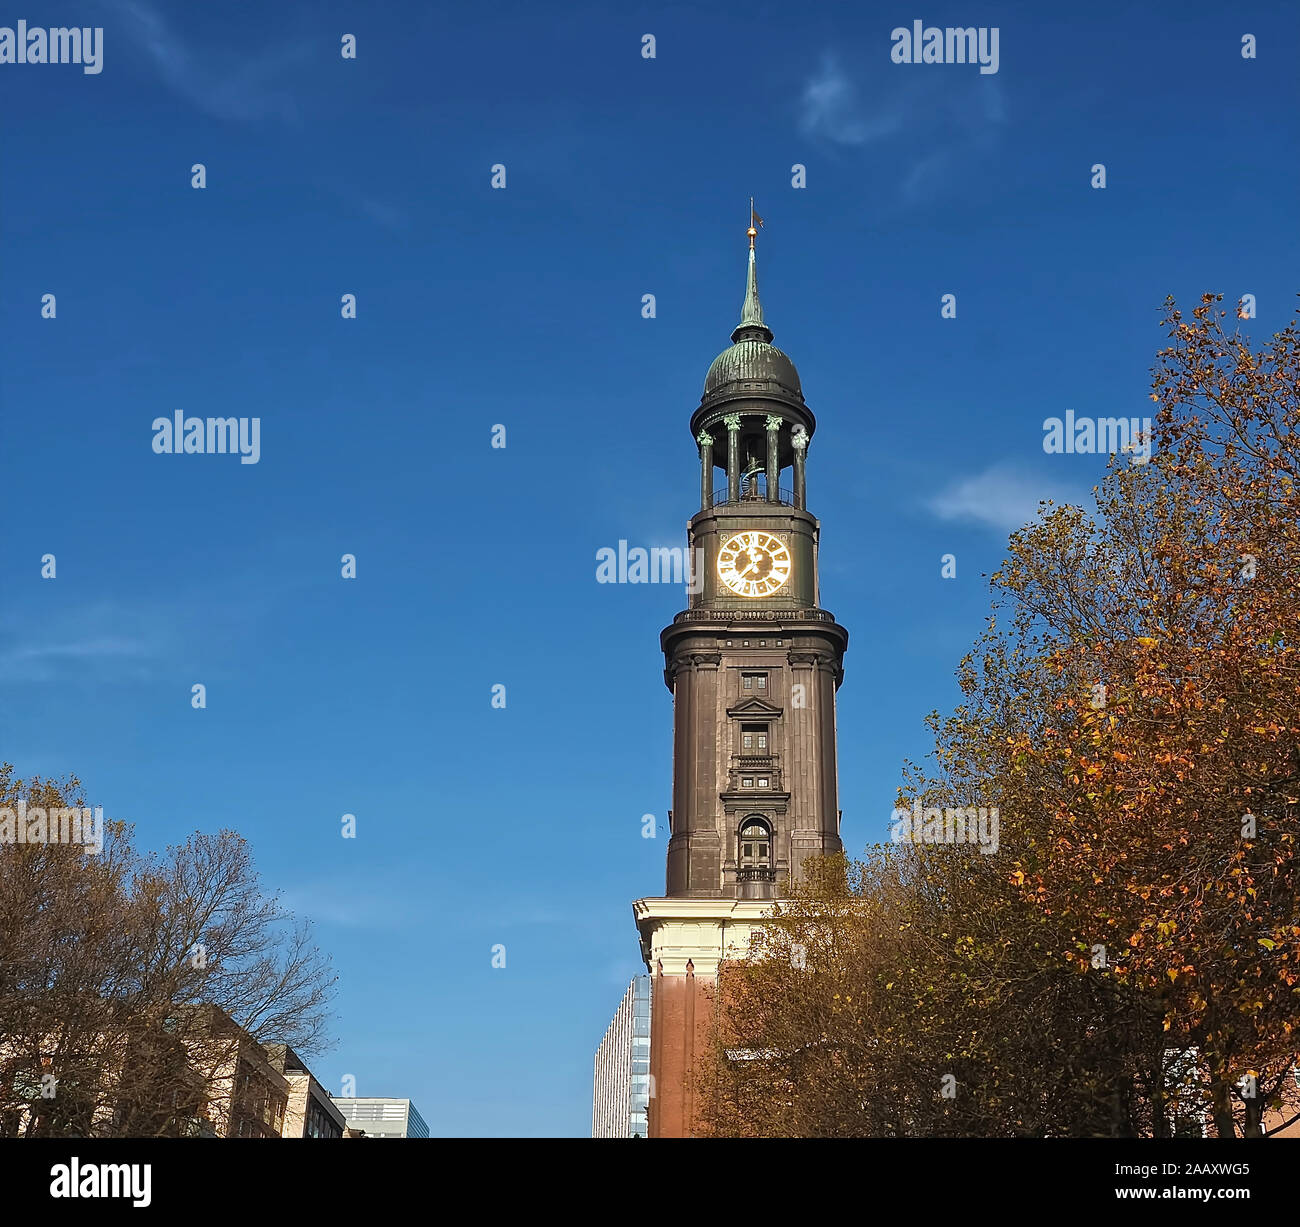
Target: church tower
[(753, 664)]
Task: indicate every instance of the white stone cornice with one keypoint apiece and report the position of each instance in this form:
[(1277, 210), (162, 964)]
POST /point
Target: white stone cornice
[(699, 931)]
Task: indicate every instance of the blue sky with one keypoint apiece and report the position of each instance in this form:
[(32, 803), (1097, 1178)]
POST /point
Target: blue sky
[(522, 306)]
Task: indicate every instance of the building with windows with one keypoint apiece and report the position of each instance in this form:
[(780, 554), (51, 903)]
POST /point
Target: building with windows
[(753, 663), (309, 1111), (198, 1074), (383, 1118), (621, 1083)]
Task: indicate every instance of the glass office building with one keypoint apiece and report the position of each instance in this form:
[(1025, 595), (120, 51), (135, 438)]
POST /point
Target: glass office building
[(621, 1086), (383, 1118)]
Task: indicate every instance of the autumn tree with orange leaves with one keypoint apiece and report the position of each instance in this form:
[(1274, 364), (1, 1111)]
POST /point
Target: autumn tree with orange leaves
[(1133, 708), (1156, 801)]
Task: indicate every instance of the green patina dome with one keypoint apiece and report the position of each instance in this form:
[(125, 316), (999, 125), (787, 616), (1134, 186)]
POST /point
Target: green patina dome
[(753, 361)]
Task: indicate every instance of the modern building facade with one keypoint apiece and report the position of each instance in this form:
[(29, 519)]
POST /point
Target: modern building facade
[(378, 1117), (753, 664), (621, 1082)]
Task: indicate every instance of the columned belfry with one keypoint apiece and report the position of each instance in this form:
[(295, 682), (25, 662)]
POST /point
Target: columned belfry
[(753, 664)]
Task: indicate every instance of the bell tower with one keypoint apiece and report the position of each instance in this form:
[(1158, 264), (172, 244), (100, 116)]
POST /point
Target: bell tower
[(753, 664)]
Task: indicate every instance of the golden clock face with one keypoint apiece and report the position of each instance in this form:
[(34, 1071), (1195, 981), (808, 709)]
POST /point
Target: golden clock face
[(753, 563)]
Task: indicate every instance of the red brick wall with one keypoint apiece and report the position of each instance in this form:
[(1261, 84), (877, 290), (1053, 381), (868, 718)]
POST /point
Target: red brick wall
[(681, 1019)]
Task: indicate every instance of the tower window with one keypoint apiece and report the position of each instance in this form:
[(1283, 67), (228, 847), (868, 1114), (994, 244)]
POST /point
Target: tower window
[(754, 683), (753, 738), (755, 844), (747, 782)]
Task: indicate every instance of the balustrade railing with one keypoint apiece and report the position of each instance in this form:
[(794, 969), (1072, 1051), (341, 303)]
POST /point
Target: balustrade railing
[(754, 615), (784, 496)]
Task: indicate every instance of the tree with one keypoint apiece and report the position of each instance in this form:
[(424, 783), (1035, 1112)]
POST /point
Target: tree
[(1161, 821), (120, 975), (916, 993), (1133, 710)]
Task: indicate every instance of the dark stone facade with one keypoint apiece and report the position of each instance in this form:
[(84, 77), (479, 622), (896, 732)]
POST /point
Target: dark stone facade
[(752, 423)]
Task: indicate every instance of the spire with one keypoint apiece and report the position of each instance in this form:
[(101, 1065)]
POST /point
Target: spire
[(752, 326)]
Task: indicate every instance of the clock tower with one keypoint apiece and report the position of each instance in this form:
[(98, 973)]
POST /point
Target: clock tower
[(753, 664)]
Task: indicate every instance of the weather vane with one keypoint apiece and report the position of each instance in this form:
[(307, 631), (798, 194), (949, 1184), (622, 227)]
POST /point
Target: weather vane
[(754, 222)]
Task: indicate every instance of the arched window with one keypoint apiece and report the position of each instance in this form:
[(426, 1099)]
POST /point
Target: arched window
[(755, 844)]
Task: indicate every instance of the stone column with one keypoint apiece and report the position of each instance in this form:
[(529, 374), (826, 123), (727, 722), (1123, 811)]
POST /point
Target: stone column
[(732, 421), (799, 440), (705, 441), (773, 458)]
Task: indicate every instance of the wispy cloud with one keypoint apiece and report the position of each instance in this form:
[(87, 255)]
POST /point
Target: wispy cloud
[(384, 904), (76, 652), (227, 83), (349, 905), (89, 642), (945, 120), (833, 107), (1003, 498), (926, 174), (136, 639), (390, 217)]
